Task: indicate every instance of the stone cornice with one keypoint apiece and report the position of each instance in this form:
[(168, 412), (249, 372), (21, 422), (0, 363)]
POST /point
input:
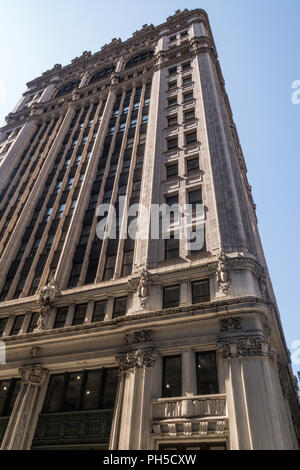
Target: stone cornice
[(34, 374)]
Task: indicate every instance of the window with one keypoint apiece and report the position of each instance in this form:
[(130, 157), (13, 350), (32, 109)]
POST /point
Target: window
[(200, 291), (142, 139), (73, 205), (78, 159), (171, 248), (172, 38), (3, 322), (33, 322), (61, 316), (125, 109), (171, 296), (136, 106), (172, 71), (109, 267), (122, 127), (60, 211), (195, 198), (187, 80), (186, 66), (69, 184), (189, 115), (172, 102), (120, 307), (184, 34), (188, 97), (206, 372), (48, 214), (172, 143), (79, 314), (133, 123), (192, 165), (85, 234), (172, 86), (172, 381), (84, 390), (172, 120), (130, 142), (172, 170), (127, 263), (190, 138), (145, 119), (17, 325), (99, 311), (9, 390), (147, 102)]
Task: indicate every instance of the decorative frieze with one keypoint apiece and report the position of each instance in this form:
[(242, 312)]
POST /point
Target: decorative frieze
[(34, 374), (246, 346), (139, 359), (231, 324), (136, 337)]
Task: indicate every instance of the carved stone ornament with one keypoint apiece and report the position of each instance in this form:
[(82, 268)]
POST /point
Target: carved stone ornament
[(34, 374), (136, 337), (231, 324), (250, 346), (46, 301), (35, 351), (144, 288), (75, 94), (35, 109), (138, 359), (223, 274)]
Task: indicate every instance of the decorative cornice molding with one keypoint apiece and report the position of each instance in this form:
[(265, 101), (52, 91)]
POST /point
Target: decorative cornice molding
[(34, 374), (231, 324)]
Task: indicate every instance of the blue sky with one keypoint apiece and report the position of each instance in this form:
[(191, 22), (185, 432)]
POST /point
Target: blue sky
[(257, 44)]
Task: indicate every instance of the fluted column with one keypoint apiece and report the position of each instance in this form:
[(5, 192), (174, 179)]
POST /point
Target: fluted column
[(133, 404), (22, 423)]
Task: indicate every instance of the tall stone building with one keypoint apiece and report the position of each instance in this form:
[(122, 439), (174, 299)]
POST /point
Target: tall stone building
[(142, 343)]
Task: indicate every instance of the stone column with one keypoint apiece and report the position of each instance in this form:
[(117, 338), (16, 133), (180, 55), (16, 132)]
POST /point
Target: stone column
[(252, 392), (22, 423), (134, 410)]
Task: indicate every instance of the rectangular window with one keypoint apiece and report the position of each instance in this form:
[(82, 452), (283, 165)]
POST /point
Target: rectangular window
[(188, 97), (79, 314), (171, 248), (190, 138), (189, 115), (99, 311), (61, 316), (192, 165), (172, 120), (9, 390), (184, 34), (172, 71), (187, 80), (3, 322), (171, 296), (120, 307), (33, 322), (17, 325), (195, 198), (172, 170), (186, 66), (127, 263), (60, 211), (172, 102), (172, 38), (200, 291), (206, 371), (172, 86), (172, 143), (172, 378)]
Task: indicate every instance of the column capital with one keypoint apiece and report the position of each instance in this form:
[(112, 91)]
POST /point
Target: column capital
[(138, 359), (34, 374)]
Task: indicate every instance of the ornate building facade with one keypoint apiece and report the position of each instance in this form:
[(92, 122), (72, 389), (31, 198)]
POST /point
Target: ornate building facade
[(136, 344)]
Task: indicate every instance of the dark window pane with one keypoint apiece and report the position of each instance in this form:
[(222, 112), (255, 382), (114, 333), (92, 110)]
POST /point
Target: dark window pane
[(3, 322), (15, 385), (192, 165), (54, 396), (195, 197), (99, 311), (61, 317), (207, 379), (120, 307), (33, 322), (200, 291), (17, 325), (127, 263), (4, 391), (172, 143), (172, 170), (172, 248), (191, 138), (172, 386), (79, 314), (172, 120), (189, 115), (171, 296), (72, 395), (110, 388), (92, 390)]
